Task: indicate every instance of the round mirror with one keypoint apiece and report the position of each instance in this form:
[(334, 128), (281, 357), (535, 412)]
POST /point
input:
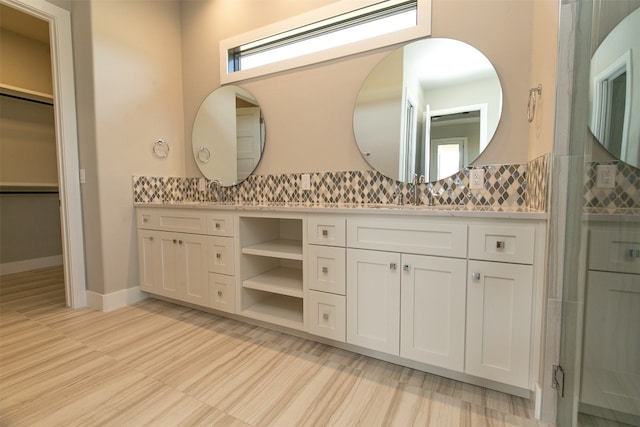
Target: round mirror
[(615, 104), (228, 135), (429, 108)]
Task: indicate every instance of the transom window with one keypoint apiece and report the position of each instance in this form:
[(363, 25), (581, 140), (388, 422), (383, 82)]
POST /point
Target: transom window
[(343, 28)]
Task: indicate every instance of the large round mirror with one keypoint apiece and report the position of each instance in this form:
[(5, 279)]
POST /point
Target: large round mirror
[(429, 108), (615, 102), (228, 135)]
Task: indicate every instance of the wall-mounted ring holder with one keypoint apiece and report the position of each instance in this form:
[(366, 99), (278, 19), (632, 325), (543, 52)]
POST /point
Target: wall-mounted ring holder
[(160, 149), (204, 154), (531, 104)]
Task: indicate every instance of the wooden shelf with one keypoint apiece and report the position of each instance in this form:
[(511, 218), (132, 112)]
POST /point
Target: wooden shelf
[(278, 309), (285, 249), (26, 94), (281, 280)]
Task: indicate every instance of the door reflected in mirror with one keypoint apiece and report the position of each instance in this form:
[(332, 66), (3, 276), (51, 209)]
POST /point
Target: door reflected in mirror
[(228, 135), (428, 108), (615, 106)]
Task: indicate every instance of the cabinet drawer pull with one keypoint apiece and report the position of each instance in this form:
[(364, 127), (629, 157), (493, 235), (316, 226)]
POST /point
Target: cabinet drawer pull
[(392, 266), (151, 238), (325, 316), (217, 226), (175, 241), (145, 219), (500, 244), (325, 269), (634, 253), (218, 255), (475, 276), (406, 267), (219, 293), (325, 233)]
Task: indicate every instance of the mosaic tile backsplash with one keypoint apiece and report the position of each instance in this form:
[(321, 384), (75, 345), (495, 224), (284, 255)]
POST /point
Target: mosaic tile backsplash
[(505, 186), (624, 195)]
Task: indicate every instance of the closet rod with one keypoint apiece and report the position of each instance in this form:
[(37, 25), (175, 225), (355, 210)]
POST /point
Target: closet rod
[(24, 98), (28, 192)]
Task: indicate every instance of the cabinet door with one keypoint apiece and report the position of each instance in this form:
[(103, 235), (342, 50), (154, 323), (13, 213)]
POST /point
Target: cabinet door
[(611, 367), (499, 298), (373, 300), (148, 260), (433, 295), (192, 262), (168, 270)]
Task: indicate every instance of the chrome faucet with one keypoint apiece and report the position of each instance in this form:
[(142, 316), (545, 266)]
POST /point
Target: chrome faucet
[(217, 184), (414, 187)]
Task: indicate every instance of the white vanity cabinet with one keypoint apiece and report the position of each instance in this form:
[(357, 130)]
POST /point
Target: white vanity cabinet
[(221, 262), (611, 364), (326, 272), (173, 263), (400, 301), (500, 302)]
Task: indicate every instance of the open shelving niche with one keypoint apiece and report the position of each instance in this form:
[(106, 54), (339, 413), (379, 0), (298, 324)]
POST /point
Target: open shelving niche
[(272, 266)]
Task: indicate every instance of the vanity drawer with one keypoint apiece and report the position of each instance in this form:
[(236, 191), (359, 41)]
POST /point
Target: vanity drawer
[(327, 315), (416, 237), (222, 292), (515, 244), (326, 230), (146, 218), (179, 220), (221, 255), (327, 269), (616, 250), (220, 224)]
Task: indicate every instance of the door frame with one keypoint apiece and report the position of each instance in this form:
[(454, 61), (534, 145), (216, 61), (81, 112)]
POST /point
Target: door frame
[(66, 131)]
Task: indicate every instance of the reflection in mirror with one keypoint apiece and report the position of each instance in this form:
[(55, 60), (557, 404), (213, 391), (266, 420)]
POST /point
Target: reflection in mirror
[(428, 108), (615, 107), (228, 135)]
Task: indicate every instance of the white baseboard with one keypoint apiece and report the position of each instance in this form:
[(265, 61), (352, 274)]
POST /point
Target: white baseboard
[(115, 300), (30, 264)]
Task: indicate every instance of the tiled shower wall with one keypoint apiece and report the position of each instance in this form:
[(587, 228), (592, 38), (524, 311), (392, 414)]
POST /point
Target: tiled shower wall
[(505, 186)]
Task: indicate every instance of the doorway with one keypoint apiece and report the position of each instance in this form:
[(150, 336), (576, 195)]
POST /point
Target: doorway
[(63, 97)]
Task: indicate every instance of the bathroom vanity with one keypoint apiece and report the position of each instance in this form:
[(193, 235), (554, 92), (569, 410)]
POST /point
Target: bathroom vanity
[(455, 292)]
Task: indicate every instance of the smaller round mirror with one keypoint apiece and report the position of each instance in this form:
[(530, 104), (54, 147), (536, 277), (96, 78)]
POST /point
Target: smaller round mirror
[(428, 108), (228, 135), (615, 104)]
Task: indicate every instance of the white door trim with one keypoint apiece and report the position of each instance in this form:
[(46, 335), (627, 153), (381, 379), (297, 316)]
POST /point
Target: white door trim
[(66, 143)]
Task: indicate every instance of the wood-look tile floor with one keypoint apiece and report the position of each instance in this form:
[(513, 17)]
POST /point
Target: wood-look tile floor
[(160, 364)]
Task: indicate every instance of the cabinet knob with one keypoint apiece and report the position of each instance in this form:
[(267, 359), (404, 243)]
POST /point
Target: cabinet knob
[(179, 242), (500, 244), (175, 241), (392, 266), (325, 316), (325, 233), (145, 219), (219, 293), (218, 255), (406, 267), (634, 253), (151, 238), (325, 269), (475, 276), (217, 225)]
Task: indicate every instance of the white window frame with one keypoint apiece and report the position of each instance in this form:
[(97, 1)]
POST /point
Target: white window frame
[(422, 29)]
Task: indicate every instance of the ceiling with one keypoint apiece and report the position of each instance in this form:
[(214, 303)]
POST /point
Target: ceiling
[(24, 24)]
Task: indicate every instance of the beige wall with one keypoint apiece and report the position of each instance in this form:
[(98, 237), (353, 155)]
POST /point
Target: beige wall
[(129, 92), (308, 112)]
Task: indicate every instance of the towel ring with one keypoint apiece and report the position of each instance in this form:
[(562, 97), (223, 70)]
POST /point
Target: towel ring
[(204, 154), (531, 104)]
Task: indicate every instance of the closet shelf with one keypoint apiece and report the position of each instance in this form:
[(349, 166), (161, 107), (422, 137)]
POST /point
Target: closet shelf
[(26, 94), (284, 249), (28, 187), (281, 280)]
